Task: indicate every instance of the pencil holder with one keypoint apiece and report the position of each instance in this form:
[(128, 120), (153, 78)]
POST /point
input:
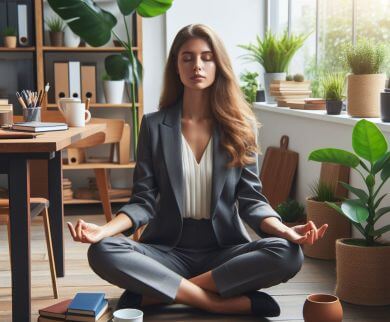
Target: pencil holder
[(32, 114)]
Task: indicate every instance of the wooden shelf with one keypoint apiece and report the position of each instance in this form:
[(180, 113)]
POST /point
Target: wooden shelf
[(99, 105), (84, 49), (92, 201), (91, 165), (23, 49)]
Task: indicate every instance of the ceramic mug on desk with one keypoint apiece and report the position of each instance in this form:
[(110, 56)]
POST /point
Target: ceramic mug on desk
[(75, 114), (62, 102)]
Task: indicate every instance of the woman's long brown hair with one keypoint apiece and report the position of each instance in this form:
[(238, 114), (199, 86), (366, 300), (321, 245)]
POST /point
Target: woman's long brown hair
[(229, 108)]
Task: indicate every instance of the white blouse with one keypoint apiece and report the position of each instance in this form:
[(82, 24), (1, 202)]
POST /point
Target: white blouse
[(197, 181)]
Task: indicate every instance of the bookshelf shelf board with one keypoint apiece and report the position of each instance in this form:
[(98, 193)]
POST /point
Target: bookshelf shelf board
[(92, 201), (92, 165), (84, 49), (5, 49), (99, 105)]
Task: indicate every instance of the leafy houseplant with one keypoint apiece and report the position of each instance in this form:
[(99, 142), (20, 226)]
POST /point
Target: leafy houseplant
[(333, 89), (250, 86), (274, 54), (95, 25), (371, 161), (365, 60), (320, 213), (9, 34), (56, 31), (292, 212)]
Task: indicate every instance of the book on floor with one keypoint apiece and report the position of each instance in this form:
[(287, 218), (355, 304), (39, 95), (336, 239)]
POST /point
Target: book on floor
[(39, 126), (103, 316), (57, 310), (87, 304)]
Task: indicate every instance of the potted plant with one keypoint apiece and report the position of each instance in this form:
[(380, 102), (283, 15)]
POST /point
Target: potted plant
[(362, 264), (9, 34), (274, 54), (333, 90), (320, 213), (365, 60), (250, 86), (114, 79), (96, 26), (56, 31), (292, 212), (70, 38)]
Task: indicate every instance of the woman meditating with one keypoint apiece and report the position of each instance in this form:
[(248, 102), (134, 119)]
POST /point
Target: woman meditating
[(196, 177)]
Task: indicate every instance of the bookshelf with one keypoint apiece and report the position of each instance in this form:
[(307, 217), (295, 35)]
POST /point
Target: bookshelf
[(40, 52)]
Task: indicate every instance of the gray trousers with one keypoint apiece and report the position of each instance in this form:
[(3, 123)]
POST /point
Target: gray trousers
[(147, 270)]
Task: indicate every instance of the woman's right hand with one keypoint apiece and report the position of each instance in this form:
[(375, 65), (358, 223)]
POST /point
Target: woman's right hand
[(86, 232)]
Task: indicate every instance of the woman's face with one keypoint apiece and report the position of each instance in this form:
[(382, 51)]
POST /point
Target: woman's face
[(196, 65)]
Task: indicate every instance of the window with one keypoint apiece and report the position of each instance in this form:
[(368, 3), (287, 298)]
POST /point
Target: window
[(331, 23)]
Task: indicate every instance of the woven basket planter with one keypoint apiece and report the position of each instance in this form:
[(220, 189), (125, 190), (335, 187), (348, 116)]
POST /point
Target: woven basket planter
[(363, 274), (364, 94), (339, 227)]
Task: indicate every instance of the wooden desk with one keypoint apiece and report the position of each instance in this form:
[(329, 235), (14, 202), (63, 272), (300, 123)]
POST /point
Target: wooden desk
[(14, 161)]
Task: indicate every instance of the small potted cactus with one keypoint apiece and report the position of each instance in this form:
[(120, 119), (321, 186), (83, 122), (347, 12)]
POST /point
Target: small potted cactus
[(9, 34)]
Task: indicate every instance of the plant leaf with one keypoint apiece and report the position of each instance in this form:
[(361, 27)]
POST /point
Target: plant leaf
[(354, 210), (86, 20), (340, 211), (385, 174), (380, 212), (117, 67), (358, 192), (127, 7), (335, 156), (152, 8), (368, 141), (379, 164), (380, 231), (379, 200)]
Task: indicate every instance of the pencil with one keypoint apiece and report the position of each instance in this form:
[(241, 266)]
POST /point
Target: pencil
[(87, 103)]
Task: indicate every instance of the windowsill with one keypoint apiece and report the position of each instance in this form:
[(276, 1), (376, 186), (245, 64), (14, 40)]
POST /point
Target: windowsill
[(343, 118)]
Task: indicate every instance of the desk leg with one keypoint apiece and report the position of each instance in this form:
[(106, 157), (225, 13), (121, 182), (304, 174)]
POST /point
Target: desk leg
[(19, 196), (56, 211)]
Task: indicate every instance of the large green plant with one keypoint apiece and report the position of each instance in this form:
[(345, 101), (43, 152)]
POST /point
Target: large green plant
[(274, 53), (95, 26), (371, 160)]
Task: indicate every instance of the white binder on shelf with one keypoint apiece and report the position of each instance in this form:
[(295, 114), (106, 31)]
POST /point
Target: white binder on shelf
[(74, 79), (22, 25)]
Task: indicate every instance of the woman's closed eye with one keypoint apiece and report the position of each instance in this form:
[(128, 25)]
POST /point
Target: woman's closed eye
[(205, 57)]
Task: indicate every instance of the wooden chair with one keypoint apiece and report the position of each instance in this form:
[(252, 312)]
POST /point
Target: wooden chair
[(38, 206)]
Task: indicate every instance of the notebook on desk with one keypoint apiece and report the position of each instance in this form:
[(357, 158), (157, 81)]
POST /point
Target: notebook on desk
[(39, 126)]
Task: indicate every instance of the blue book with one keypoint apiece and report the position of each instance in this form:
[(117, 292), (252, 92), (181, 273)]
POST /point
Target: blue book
[(87, 303)]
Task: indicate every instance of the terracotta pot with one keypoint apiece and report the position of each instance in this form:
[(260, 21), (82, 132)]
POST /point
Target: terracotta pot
[(364, 94), (10, 41), (363, 273), (339, 227), (322, 308), (56, 38)]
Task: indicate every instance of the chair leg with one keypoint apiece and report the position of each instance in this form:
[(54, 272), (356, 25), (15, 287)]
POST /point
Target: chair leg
[(9, 243), (50, 252), (103, 186)]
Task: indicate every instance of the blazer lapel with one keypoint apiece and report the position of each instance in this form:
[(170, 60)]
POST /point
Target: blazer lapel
[(220, 170), (170, 131)]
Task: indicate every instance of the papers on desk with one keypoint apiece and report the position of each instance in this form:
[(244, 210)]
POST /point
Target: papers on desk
[(39, 126)]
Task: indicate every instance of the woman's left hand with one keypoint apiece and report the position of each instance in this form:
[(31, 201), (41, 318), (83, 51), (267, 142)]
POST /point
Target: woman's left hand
[(305, 234)]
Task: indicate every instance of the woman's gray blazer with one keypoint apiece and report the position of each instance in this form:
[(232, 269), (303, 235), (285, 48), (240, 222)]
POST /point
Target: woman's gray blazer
[(157, 198)]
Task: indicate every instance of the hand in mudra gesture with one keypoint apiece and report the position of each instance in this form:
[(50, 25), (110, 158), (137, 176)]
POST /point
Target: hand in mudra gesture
[(305, 234), (86, 232)]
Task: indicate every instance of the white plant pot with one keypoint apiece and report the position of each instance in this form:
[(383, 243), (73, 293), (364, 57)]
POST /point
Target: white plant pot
[(70, 38), (268, 78), (113, 91)]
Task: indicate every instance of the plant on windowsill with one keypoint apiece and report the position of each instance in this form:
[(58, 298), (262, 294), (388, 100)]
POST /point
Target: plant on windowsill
[(274, 53), (362, 264), (333, 89), (365, 60), (250, 86), (96, 25), (9, 34), (292, 212), (320, 213), (56, 31)]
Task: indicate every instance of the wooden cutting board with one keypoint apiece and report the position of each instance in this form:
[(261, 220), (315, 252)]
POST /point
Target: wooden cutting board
[(278, 172)]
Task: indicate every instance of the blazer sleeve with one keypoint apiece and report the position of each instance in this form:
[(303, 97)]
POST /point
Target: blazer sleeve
[(141, 207), (253, 206)]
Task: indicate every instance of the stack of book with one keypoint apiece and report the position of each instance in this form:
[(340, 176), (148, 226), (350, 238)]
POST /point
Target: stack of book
[(67, 191), (83, 307), (289, 90)]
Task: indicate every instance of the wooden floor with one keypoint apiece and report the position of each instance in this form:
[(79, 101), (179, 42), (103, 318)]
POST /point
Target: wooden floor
[(316, 276)]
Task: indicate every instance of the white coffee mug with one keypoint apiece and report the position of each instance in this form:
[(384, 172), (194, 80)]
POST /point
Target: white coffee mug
[(128, 315), (75, 114), (61, 103)]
